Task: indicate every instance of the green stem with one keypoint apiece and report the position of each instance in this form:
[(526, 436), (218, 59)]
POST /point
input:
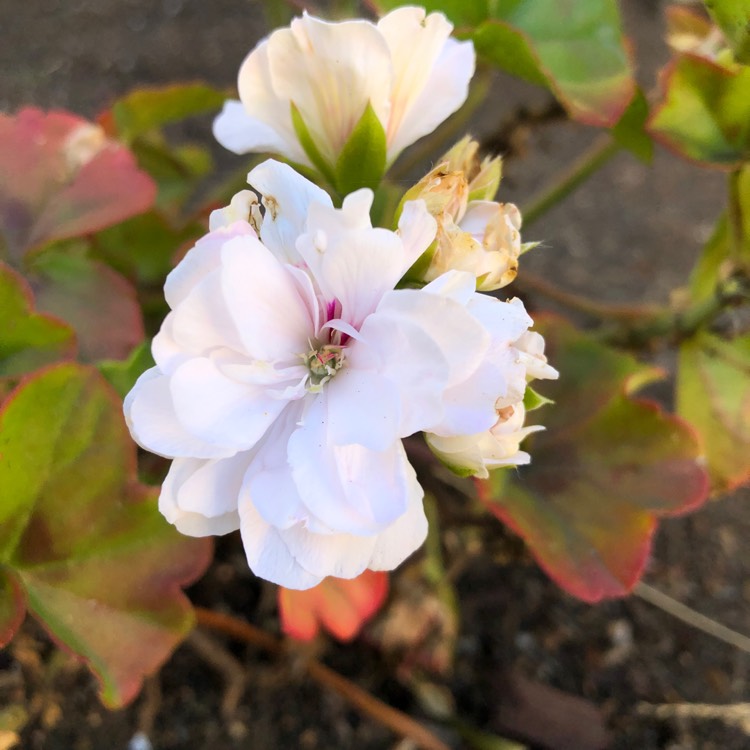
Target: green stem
[(600, 152), (736, 227), (625, 313), (682, 324)]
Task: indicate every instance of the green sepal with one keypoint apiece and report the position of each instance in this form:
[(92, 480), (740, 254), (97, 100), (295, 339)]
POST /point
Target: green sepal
[(361, 162), (526, 246), (415, 275), (533, 400), (309, 147)]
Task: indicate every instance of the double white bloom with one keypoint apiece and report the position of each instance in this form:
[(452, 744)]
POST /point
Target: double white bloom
[(290, 368), (406, 67)]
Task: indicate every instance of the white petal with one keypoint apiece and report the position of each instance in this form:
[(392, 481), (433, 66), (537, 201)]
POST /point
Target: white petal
[(408, 357), (272, 319), (405, 535), (462, 339), (200, 497), (339, 555), (330, 71), (199, 262), (287, 196), (167, 353), (219, 410), (459, 286), (268, 554), (416, 227), (152, 420), (363, 408), (268, 484), (350, 488), (354, 266), (237, 131), (201, 322), (263, 104), (432, 74)]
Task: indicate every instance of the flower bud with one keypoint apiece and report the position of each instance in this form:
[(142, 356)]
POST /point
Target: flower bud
[(474, 234)]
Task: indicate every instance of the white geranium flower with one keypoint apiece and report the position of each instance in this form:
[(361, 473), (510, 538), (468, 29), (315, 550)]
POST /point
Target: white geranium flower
[(478, 454), (405, 67), (289, 369)]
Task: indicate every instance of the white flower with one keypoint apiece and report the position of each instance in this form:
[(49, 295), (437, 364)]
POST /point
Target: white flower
[(289, 369), (406, 68), (478, 454)]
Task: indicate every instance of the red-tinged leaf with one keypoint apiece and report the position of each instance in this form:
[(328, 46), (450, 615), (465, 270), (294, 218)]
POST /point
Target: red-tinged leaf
[(12, 606), (60, 177), (607, 467), (713, 394), (99, 304), (100, 568), (705, 112), (28, 340), (339, 606), (575, 46)]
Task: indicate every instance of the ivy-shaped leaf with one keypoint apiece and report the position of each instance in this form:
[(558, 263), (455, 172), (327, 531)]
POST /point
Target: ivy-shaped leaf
[(82, 544), (606, 468), (705, 112), (99, 304), (339, 606), (60, 177), (713, 394), (28, 340)]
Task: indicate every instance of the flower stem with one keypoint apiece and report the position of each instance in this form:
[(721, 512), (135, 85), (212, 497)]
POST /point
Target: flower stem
[(390, 717), (600, 152), (685, 323), (531, 282)]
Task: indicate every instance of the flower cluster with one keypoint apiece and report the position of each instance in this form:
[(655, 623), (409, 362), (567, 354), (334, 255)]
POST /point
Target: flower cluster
[(295, 359)]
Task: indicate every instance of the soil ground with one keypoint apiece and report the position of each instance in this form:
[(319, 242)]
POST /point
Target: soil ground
[(631, 233)]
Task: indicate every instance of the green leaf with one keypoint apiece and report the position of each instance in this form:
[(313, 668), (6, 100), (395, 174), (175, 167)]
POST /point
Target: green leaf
[(99, 566), (177, 171), (602, 473), (309, 147), (361, 162), (28, 340), (713, 394), (575, 47), (720, 257), (630, 132), (61, 178), (99, 304), (144, 248), (705, 114), (733, 16), (145, 109), (122, 374)]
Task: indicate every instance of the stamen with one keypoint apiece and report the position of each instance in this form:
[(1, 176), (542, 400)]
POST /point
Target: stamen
[(323, 363)]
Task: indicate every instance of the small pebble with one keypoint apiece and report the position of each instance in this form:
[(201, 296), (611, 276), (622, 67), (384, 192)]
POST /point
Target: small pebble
[(140, 741)]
